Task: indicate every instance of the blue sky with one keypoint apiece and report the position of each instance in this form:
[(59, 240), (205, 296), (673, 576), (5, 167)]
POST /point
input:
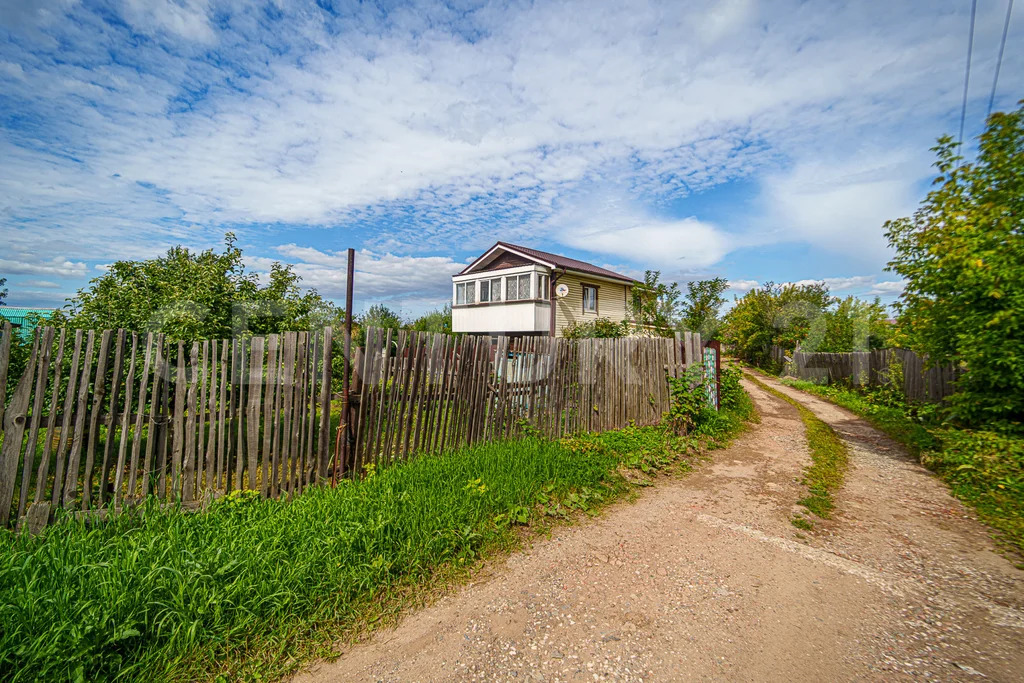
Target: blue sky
[(752, 140)]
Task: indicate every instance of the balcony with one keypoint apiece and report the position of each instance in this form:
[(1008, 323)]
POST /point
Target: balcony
[(503, 317)]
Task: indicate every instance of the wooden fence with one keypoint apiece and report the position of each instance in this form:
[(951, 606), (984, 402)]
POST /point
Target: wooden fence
[(872, 368), (105, 419), (108, 418), (422, 393)]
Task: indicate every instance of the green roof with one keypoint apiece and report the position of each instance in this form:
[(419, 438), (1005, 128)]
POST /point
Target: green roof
[(17, 315)]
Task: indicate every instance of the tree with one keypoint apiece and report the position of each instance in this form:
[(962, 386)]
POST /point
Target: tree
[(773, 315), (435, 321), (703, 301), (962, 256), (654, 306), (197, 295), (853, 325), (3, 291)]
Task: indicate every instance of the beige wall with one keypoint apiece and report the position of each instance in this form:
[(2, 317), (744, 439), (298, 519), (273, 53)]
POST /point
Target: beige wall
[(611, 301)]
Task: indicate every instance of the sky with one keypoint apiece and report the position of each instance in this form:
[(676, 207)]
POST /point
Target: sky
[(756, 141)]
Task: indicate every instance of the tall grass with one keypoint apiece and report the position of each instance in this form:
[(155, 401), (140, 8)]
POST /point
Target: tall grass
[(252, 586)]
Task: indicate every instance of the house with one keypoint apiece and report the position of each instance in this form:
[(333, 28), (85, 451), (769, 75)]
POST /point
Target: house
[(519, 291), (24, 320)]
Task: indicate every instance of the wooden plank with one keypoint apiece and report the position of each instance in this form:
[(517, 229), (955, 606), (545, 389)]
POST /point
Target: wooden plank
[(287, 396), (201, 420), (415, 393), (36, 417), (44, 466), (112, 415), (238, 406), (15, 420), (74, 458), (269, 413), (254, 409), (312, 466), (451, 356), (178, 422), (165, 424), (152, 436), (126, 414), (323, 443), (92, 436), (188, 468), (298, 411), (361, 427), (393, 404), (7, 332), (222, 419)]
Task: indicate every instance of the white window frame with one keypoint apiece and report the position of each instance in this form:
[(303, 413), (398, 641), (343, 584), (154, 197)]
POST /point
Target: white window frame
[(468, 291), (596, 290), (519, 280), (496, 287), (543, 286)]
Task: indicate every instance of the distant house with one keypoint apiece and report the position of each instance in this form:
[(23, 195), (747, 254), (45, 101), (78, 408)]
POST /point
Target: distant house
[(24, 320), (519, 291)]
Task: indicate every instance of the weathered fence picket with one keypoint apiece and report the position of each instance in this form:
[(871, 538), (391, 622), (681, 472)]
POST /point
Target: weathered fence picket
[(871, 368), (107, 418)]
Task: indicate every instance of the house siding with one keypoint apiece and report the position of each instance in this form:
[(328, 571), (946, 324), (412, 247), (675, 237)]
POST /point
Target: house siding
[(611, 301)]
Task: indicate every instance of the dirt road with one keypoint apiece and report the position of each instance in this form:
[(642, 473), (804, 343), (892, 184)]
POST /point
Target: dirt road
[(704, 577)]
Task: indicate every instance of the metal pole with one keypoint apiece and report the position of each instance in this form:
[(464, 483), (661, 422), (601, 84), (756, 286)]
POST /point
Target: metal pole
[(342, 441)]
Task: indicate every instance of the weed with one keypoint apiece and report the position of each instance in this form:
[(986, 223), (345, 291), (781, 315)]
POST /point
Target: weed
[(829, 458), (982, 468), (802, 523)]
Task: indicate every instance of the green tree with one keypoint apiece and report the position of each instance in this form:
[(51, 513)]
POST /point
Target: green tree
[(771, 315), (3, 291), (852, 325), (197, 295), (654, 305), (435, 321), (962, 256), (703, 302)]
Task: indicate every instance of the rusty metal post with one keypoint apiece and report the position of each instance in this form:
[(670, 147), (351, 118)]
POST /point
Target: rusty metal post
[(343, 439)]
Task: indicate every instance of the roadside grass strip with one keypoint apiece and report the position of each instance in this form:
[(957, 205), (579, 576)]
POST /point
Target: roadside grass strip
[(984, 469), (252, 588), (830, 459)]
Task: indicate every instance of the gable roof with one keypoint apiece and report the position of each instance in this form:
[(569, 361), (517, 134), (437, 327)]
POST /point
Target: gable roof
[(553, 260)]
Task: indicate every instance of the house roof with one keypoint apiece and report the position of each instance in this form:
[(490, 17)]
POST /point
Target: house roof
[(554, 260), (17, 314)]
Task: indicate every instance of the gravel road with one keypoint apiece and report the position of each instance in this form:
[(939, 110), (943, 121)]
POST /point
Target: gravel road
[(704, 577)]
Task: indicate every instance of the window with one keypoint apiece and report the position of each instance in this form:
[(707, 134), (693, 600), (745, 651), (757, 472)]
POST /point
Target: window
[(543, 290), (490, 290), (517, 287), (465, 293), (589, 299)]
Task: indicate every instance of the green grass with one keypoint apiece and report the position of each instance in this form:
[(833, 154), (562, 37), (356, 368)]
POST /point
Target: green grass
[(982, 468), (252, 588), (830, 459)]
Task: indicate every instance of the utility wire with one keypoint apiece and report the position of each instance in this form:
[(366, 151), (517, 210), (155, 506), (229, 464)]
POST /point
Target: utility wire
[(999, 61), (967, 74)]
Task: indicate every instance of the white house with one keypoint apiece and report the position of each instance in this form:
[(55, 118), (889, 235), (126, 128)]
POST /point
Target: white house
[(514, 290)]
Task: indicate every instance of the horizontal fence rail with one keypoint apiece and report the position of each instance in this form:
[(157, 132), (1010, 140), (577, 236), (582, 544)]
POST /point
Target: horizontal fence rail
[(107, 418), (871, 368)]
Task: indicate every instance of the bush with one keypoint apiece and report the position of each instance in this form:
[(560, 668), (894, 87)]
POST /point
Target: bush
[(602, 328)]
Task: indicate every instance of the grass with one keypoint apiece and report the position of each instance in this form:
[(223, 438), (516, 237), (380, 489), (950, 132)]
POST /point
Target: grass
[(984, 469), (252, 588), (829, 461)]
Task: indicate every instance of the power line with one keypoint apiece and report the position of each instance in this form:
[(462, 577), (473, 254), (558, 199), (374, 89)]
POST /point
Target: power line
[(967, 74), (999, 61)]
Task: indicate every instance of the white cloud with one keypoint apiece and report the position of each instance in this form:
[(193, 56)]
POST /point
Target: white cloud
[(40, 283), (841, 205), (888, 288), (742, 286), (377, 276), (30, 264)]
